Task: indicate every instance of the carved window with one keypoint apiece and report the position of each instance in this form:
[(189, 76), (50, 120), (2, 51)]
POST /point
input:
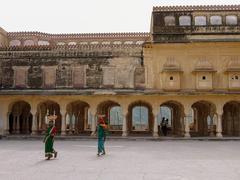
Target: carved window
[(117, 42), (61, 43), (231, 20), (171, 78), (234, 80), (235, 77), (185, 21), (79, 76), (204, 78), (139, 77), (72, 43), (28, 43), (200, 21), (83, 43), (105, 42), (20, 76), (15, 43), (49, 76), (94, 42), (140, 42), (216, 20), (43, 43), (109, 76), (169, 21), (128, 42)]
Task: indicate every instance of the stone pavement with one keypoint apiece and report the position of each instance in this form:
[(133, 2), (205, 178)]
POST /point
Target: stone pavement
[(125, 160)]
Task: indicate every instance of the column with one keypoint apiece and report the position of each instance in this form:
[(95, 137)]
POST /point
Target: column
[(186, 127), (93, 114), (187, 118), (34, 121), (219, 126), (63, 128), (155, 123), (212, 133), (219, 113), (18, 124), (124, 126), (40, 119), (6, 124), (27, 124), (14, 124)]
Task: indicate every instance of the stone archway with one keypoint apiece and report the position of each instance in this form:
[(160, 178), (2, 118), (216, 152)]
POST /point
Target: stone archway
[(203, 125), (175, 119), (113, 115), (77, 117), (231, 119), (20, 118), (140, 118), (45, 108)]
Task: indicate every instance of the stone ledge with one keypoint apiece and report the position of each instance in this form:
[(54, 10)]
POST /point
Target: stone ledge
[(119, 138), (113, 92)]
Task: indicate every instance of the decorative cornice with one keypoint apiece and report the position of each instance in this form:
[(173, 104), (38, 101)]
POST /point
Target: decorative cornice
[(197, 8), (71, 47), (134, 35)]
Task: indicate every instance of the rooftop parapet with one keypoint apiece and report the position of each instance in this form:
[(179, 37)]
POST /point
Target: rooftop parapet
[(184, 23), (197, 8)]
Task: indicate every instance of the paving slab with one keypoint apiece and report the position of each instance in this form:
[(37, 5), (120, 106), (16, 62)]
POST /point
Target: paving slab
[(125, 160)]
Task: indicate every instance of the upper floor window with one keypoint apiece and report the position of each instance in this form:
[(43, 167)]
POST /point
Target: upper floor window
[(20, 76), (185, 21), (200, 21), (128, 42), (61, 43), (169, 21), (15, 43), (235, 77), (94, 42), (28, 43), (106, 42), (79, 76), (72, 43), (216, 20), (139, 42), (49, 76), (117, 42), (231, 20), (43, 43), (83, 43)]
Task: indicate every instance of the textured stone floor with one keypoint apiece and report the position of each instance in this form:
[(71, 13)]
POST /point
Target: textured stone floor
[(125, 160)]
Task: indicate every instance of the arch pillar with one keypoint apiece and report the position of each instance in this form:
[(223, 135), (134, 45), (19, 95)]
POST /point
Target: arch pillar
[(124, 126), (219, 121), (155, 111), (187, 118), (34, 120), (63, 110), (4, 118), (6, 125), (93, 114)]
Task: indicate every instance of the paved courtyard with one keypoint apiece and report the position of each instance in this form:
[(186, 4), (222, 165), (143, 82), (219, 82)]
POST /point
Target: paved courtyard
[(125, 160)]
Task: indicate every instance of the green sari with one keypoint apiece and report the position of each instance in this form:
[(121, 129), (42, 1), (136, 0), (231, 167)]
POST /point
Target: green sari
[(49, 140), (101, 132)]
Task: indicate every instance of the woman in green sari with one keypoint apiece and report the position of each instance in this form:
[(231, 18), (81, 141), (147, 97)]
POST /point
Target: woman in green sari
[(101, 133), (49, 140)]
